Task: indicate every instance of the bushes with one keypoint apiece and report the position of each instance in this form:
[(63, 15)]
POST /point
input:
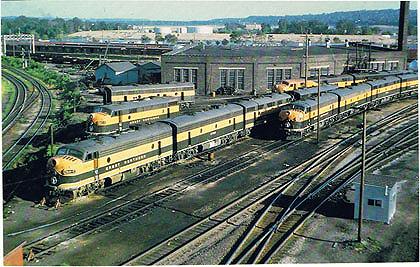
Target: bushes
[(67, 90)]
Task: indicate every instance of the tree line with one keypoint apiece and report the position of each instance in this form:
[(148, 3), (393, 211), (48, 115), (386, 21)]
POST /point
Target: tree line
[(55, 28)]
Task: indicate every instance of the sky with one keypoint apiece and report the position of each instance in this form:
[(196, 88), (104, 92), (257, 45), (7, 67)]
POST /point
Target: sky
[(182, 10)]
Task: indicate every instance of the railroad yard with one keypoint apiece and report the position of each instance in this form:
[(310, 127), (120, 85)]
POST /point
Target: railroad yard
[(168, 153)]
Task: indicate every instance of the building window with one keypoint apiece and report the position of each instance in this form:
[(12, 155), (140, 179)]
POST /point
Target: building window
[(276, 75), (376, 65), (375, 202), (233, 78), (325, 71), (223, 75), (186, 75), (177, 75), (393, 65), (241, 74)]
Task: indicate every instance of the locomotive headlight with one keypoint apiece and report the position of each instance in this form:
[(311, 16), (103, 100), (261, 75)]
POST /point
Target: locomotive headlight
[(54, 180)]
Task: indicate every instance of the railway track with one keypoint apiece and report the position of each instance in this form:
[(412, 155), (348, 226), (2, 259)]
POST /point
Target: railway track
[(125, 212), (16, 149), (227, 213), (307, 199), (18, 103)]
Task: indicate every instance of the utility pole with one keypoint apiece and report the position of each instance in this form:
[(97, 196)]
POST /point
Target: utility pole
[(306, 58), (362, 178), (318, 96)]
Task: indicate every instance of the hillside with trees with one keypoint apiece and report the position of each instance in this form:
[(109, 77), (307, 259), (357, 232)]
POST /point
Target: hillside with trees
[(350, 22)]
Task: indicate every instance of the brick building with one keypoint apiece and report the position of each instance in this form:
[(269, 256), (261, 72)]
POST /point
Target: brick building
[(252, 69)]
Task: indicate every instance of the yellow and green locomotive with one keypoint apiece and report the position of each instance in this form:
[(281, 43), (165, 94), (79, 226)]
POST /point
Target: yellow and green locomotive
[(115, 118), (83, 167), (300, 117)]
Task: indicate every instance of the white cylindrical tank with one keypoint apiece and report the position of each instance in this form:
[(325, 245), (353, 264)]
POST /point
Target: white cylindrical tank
[(200, 29)]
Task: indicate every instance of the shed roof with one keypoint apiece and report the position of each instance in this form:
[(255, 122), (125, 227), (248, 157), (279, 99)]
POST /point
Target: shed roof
[(379, 180), (120, 66)]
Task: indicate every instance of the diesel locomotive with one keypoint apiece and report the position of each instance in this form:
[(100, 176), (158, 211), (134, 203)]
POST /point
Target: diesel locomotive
[(115, 118), (300, 117), (83, 167)]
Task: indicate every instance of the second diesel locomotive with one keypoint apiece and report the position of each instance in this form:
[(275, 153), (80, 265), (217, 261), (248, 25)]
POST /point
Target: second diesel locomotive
[(300, 117), (115, 118)]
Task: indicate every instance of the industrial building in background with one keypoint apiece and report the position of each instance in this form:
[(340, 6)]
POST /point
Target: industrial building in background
[(253, 70)]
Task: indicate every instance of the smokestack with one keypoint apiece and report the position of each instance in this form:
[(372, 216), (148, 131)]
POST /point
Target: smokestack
[(403, 25)]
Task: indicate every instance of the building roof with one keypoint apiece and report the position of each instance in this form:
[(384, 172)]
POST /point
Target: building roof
[(120, 66), (379, 180), (258, 51)]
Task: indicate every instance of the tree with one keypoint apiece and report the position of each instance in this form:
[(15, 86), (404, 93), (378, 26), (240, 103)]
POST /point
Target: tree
[(217, 42), (170, 38), (225, 42), (159, 37), (265, 28), (145, 39), (283, 26), (235, 36), (346, 27)]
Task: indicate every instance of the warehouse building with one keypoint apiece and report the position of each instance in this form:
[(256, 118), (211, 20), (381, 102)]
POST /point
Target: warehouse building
[(254, 70)]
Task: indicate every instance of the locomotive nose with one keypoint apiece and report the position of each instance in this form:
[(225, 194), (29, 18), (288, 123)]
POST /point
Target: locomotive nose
[(284, 115), (52, 162)]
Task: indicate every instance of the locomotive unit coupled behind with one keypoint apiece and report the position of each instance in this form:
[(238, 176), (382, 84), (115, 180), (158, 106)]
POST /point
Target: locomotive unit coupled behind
[(184, 92)]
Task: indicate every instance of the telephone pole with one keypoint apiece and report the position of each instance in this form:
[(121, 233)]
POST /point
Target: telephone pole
[(362, 177), (318, 96), (306, 58)]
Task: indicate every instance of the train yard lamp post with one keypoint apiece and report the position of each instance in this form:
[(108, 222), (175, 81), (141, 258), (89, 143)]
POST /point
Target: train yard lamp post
[(317, 117), (362, 177), (306, 59)]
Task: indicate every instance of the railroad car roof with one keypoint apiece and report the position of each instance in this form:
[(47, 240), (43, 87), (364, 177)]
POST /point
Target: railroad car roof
[(346, 93), (325, 99), (204, 116), (271, 98), (141, 87), (312, 91), (385, 80), (103, 144), (156, 101), (247, 103), (344, 77), (409, 76)]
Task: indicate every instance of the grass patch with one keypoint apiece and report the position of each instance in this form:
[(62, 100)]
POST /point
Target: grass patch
[(9, 91)]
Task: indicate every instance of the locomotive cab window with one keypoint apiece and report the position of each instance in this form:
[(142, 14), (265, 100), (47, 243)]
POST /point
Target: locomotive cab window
[(89, 156)]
